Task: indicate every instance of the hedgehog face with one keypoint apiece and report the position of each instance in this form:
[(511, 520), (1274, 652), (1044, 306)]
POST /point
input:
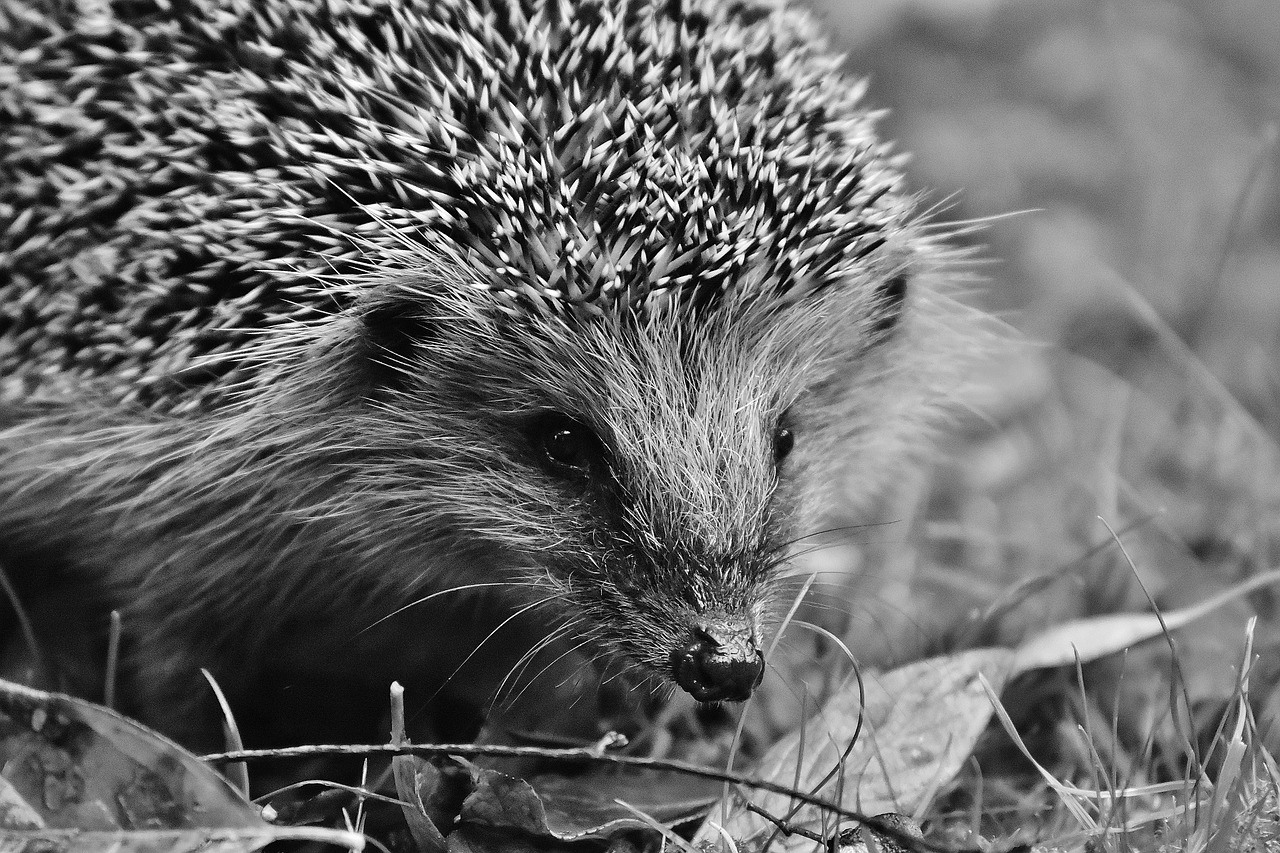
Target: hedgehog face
[(667, 484), (645, 473), (679, 598)]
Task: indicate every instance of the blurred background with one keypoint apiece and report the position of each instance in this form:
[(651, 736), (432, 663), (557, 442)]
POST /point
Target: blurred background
[(1139, 133), (1125, 154)]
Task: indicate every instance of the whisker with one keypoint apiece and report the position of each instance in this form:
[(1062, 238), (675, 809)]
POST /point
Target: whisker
[(533, 680), (840, 528), (523, 610), (573, 674), (831, 608), (521, 666), (525, 659), (586, 662), (792, 577), (612, 678), (426, 598)]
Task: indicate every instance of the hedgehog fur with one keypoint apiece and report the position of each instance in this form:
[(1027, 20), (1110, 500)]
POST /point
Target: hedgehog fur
[(310, 308)]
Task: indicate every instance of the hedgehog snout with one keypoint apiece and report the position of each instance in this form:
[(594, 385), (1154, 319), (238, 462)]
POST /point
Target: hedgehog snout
[(722, 661)]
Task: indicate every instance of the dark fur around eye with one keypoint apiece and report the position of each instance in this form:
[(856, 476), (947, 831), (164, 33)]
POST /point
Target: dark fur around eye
[(564, 445), (784, 440)]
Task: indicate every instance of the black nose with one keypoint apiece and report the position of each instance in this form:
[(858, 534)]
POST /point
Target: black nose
[(718, 666)]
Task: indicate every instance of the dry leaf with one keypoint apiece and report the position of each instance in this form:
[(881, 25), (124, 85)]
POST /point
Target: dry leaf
[(80, 777), (1099, 636), (581, 807), (919, 726)]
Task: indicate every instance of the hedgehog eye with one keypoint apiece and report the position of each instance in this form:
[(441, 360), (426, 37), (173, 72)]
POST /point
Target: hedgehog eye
[(783, 442), (566, 446)]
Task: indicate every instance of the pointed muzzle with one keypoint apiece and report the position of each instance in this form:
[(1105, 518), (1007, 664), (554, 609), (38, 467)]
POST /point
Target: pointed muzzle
[(721, 663)]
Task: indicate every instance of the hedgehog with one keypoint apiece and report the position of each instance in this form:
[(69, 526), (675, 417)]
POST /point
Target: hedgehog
[(314, 309)]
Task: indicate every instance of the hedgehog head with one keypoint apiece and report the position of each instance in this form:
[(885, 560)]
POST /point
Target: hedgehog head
[(646, 285), (641, 472)]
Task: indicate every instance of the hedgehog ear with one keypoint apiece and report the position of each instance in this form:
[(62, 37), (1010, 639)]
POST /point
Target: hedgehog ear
[(390, 329), (890, 296)]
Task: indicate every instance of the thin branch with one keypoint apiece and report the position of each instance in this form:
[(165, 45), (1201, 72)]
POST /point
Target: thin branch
[(593, 756)]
